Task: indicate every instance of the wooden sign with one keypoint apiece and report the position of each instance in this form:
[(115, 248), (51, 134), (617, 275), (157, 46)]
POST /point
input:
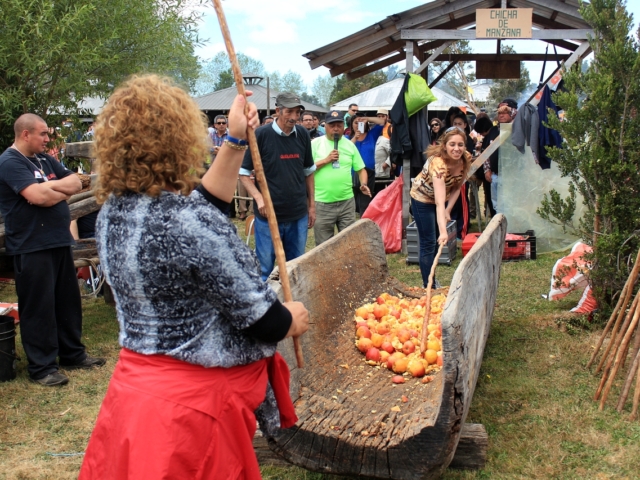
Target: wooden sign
[(504, 22), (499, 69)]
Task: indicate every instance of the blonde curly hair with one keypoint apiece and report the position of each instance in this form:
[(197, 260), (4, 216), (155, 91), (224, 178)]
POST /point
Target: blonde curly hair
[(149, 137)]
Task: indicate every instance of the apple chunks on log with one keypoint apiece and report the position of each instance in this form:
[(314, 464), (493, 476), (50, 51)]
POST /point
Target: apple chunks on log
[(389, 330)]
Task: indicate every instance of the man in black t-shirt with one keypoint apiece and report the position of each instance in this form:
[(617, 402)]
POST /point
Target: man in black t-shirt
[(34, 188), (285, 151)]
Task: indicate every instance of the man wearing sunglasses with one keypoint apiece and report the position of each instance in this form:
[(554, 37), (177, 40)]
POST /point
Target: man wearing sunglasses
[(219, 135)]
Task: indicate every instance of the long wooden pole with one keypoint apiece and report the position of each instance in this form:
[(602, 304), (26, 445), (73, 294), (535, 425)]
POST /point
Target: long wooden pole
[(618, 312), (262, 181), (427, 312)]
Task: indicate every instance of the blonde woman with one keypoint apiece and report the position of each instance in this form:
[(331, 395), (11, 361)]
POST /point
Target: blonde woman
[(435, 190)]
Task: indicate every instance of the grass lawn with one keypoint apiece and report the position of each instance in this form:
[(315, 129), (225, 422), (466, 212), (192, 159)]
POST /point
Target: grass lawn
[(533, 394)]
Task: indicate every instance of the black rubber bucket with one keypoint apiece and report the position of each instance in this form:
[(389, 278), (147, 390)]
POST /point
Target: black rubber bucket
[(8, 358)]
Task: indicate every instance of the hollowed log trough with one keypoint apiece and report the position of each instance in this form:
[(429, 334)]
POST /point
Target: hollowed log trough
[(348, 423)]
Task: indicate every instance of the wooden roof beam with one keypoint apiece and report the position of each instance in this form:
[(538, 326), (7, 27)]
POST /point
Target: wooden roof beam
[(369, 57), (564, 44), (493, 57), (433, 56), (436, 12), (397, 44), (361, 72), (443, 73), (558, 7), (353, 46), (437, 34), (544, 22)]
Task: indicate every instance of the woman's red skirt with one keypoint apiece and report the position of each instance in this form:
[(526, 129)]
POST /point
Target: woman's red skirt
[(163, 418)]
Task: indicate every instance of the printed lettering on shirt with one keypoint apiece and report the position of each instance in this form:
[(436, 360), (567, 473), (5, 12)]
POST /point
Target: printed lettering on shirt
[(289, 156)]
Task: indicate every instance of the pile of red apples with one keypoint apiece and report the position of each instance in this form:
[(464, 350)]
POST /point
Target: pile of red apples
[(388, 332)]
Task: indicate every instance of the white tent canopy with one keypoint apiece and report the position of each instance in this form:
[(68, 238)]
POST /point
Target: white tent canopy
[(385, 95)]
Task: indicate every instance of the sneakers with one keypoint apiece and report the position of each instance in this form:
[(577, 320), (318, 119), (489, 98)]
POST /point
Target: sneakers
[(53, 379), (87, 363)]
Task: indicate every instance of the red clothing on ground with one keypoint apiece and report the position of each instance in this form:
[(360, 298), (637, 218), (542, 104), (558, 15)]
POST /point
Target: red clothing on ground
[(163, 418)]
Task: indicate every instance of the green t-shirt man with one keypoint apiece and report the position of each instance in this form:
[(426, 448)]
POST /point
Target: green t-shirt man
[(333, 181)]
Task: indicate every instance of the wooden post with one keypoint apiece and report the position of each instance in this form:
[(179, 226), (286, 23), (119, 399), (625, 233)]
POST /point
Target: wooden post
[(262, 181), (268, 97)]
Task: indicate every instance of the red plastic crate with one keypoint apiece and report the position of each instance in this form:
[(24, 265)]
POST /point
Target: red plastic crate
[(517, 246)]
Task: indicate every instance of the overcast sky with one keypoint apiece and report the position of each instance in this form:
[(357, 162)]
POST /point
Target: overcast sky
[(279, 32)]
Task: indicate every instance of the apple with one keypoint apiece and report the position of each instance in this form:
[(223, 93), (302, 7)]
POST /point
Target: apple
[(416, 368), (364, 344), (380, 300), (361, 323), (403, 335), (362, 312), (377, 339), (408, 347), (393, 358), (431, 356), (363, 332), (387, 347), (380, 311), (400, 365), (382, 328), (384, 356), (397, 379), (440, 360), (373, 354)]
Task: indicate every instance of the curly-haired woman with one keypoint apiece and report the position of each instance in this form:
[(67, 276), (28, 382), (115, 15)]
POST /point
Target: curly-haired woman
[(438, 184), (198, 327)]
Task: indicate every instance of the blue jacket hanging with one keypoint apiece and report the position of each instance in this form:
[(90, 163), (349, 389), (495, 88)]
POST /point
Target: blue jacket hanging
[(547, 136)]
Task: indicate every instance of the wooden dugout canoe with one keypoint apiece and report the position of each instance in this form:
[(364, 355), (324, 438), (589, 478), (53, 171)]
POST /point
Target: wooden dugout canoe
[(347, 421)]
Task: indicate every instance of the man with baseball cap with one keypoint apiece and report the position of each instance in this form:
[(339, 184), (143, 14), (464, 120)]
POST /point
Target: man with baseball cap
[(285, 150), (335, 157), (507, 110)]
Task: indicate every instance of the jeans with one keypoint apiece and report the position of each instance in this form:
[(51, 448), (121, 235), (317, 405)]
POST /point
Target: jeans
[(425, 217), (495, 182), (294, 241)]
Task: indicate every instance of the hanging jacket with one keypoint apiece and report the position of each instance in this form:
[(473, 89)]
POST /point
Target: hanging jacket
[(547, 136), (410, 135), (525, 129)]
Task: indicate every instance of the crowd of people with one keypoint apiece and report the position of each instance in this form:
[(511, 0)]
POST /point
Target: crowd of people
[(335, 167)]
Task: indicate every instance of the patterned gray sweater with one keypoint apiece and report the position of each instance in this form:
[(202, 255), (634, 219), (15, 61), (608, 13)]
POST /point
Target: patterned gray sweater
[(185, 284)]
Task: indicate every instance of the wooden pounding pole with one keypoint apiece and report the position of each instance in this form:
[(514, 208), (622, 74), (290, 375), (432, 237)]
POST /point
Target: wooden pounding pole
[(427, 306), (262, 181)]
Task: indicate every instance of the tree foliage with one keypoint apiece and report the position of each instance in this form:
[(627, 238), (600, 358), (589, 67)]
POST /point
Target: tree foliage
[(209, 80), (322, 88), (345, 88), (508, 88), (601, 153), (456, 81), (54, 53), (289, 82)]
